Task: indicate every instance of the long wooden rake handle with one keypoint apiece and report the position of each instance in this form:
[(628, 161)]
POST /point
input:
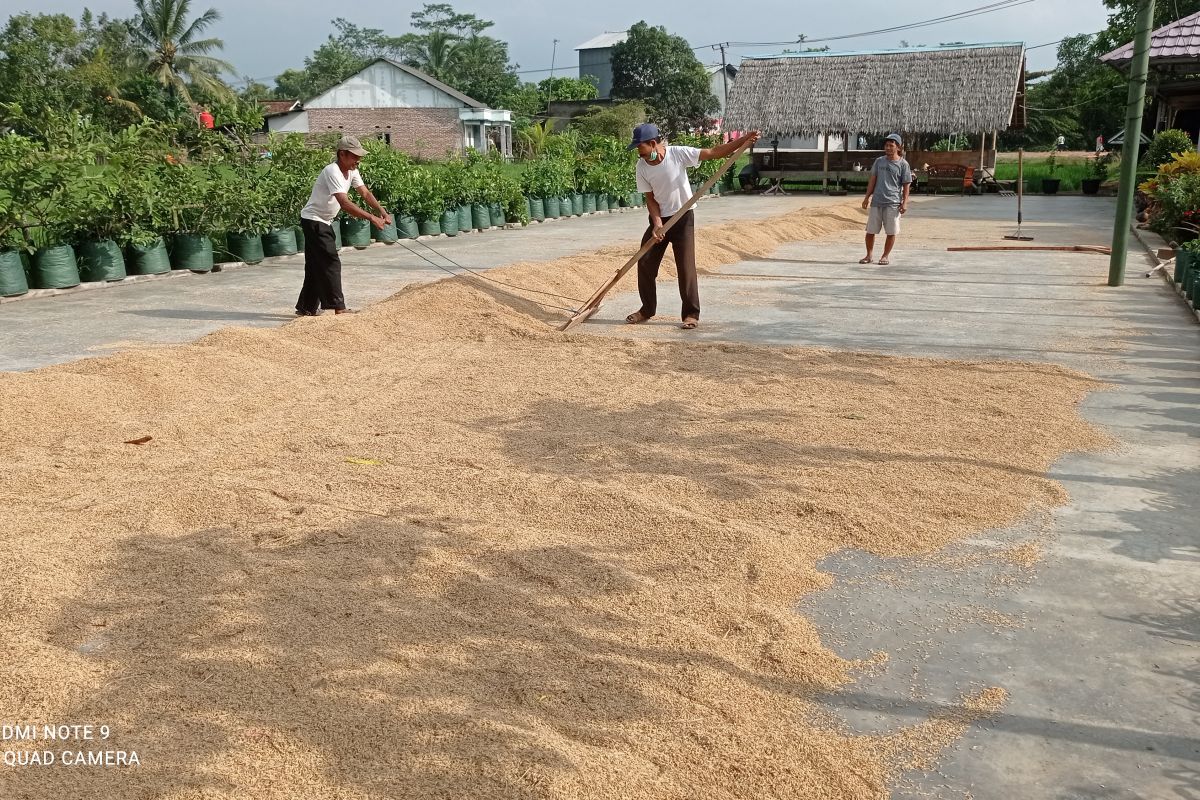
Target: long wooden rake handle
[(593, 304)]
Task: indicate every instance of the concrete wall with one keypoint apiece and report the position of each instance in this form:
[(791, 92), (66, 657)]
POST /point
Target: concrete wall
[(598, 64), (295, 122), (383, 85), (422, 132)]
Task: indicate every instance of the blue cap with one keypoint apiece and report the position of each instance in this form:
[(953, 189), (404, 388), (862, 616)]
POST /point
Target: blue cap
[(894, 137), (644, 133)]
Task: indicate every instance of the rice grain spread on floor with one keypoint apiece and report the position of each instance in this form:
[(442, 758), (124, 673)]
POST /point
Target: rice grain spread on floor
[(439, 550)]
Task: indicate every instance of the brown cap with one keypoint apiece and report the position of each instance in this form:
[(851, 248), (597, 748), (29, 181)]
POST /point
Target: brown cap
[(351, 145)]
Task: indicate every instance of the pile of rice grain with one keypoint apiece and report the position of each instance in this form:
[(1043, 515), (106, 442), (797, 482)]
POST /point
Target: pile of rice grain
[(438, 550)]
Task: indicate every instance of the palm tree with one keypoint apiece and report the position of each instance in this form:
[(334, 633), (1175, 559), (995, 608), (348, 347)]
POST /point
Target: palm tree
[(171, 50), (436, 53)]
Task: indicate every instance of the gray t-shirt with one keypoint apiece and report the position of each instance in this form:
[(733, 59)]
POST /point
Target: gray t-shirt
[(890, 179)]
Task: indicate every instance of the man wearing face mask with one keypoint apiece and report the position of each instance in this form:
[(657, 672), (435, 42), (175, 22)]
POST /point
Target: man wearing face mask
[(663, 178)]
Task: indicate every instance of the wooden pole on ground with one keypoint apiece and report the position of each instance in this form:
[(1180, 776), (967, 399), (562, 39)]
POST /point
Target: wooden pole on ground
[(593, 303)]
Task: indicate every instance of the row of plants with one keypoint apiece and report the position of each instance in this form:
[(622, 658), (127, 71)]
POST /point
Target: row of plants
[(1172, 197), (83, 204)]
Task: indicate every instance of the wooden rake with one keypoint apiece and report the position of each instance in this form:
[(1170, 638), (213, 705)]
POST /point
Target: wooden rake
[(593, 303)]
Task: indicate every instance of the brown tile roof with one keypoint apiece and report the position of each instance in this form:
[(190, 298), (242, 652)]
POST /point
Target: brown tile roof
[(272, 107), (1177, 41)]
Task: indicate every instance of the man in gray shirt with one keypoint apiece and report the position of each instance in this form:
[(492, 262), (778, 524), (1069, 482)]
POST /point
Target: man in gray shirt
[(887, 196)]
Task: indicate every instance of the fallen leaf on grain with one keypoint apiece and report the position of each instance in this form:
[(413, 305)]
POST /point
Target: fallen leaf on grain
[(142, 440)]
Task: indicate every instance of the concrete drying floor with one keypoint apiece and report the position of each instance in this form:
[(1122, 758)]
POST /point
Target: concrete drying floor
[(1098, 644)]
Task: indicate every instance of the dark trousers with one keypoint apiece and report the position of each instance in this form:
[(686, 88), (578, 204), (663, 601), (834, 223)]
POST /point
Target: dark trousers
[(322, 270), (682, 238)]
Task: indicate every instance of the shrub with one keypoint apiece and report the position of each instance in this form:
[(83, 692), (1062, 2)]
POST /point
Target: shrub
[(1165, 145)]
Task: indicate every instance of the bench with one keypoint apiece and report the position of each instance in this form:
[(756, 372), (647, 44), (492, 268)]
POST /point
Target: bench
[(954, 177)]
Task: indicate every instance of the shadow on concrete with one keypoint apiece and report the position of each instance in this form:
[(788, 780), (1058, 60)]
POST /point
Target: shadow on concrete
[(317, 646), (1107, 736)]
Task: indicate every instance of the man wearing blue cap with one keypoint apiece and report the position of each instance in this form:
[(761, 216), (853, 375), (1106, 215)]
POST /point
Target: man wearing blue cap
[(663, 178), (887, 197)]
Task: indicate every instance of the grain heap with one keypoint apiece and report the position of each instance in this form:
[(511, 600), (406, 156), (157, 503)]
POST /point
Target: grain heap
[(439, 550)]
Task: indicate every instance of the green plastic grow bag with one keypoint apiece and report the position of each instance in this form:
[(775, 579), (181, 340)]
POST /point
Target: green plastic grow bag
[(1183, 261), (247, 247), (54, 268), (550, 204), (153, 259), (191, 251), (100, 260), (279, 243), (299, 234), (356, 232), (450, 222), (12, 274), (602, 202), (481, 217), (537, 209), (577, 204), (431, 226), (386, 234), (496, 212), (406, 227), (589, 203)]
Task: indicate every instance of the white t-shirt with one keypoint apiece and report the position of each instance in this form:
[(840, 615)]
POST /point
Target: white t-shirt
[(668, 180), (322, 205)]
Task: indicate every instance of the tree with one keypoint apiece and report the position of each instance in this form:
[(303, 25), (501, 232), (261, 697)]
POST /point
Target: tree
[(1122, 22), (569, 88), (172, 51), (615, 121), (661, 70), (435, 53), (446, 45)]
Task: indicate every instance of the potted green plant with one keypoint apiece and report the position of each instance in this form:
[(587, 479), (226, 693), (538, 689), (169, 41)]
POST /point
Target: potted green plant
[(428, 204), (1098, 173), (1051, 184), (384, 170), (194, 219), (13, 244), (1186, 258), (43, 190)]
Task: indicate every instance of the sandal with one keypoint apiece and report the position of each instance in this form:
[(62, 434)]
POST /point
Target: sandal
[(636, 318), (883, 262), (866, 260), (690, 324)]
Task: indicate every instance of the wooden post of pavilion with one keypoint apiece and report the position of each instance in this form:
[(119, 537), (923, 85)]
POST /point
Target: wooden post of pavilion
[(825, 180)]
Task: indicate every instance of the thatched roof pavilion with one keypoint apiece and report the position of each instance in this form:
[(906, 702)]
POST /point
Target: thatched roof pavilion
[(973, 87)]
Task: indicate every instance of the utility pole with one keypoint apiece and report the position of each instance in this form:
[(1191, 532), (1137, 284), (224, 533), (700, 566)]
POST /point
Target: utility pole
[(724, 75), (550, 93), (1139, 69)]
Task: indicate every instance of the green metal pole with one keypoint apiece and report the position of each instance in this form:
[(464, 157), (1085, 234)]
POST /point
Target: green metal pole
[(1139, 69)]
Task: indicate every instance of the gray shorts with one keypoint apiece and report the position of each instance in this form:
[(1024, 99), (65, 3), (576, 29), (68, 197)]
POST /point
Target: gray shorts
[(884, 219)]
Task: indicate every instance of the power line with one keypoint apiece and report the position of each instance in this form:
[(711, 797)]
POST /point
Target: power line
[(1000, 5)]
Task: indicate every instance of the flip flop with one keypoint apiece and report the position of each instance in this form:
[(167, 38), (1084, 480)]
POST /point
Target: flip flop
[(883, 262), (866, 260), (690, 324), (636, 318)]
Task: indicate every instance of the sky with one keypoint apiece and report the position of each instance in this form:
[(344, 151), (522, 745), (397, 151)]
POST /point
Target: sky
[(264, 37)]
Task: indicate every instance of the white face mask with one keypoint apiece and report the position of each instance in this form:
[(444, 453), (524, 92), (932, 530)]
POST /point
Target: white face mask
[(654, 154)]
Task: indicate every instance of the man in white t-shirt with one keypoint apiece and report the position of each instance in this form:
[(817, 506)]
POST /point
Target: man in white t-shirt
[(662, 176), (322, 265)]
